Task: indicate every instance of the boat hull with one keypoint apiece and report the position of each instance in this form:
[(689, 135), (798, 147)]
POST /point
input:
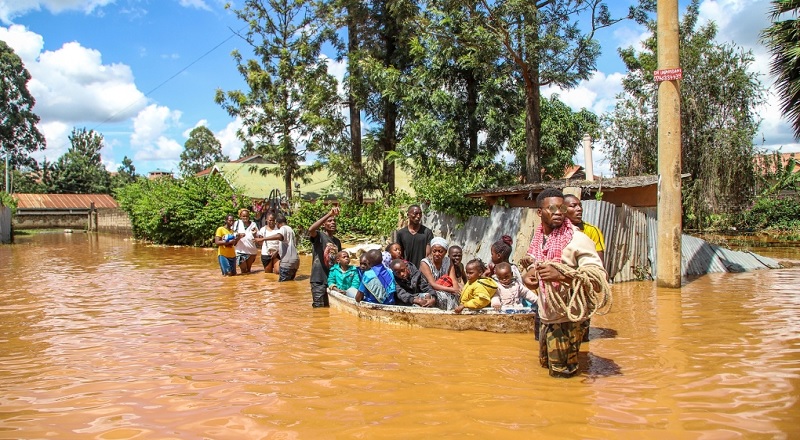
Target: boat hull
[(487, 320)]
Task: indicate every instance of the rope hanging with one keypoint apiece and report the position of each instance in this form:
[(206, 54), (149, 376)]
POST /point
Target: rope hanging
[(589, 293)]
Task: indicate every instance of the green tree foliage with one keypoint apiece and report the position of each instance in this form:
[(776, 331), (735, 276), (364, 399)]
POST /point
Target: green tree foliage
[(126, 173), (290, 108), (546, 42), (179, 212), (562, 132), (202, 150), (445, 190), (19, 136), (719, 97), (782, 38), (460, 91), (80, 170)]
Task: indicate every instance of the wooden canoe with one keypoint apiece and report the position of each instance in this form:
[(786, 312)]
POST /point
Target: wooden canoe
[(487, 320)]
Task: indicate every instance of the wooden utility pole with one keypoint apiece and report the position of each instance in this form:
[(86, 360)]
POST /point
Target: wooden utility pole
[(669, 146)]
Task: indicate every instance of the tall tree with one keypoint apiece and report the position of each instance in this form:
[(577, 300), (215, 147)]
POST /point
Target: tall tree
[(347, 162), (562, 132), (19, 136), (782, 38), (126, 174), (80, 170), (202, 150), (460, 90), (386, 62), (548, 42), (291, 107), (719, 98)]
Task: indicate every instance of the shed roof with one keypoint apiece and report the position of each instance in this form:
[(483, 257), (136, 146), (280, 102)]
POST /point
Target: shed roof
[(64, 201)]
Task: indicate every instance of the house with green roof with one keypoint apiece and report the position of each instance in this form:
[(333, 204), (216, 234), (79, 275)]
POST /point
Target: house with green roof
[(258, 181)]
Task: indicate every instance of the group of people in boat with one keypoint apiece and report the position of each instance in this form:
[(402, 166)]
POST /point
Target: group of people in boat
[(420, 270)]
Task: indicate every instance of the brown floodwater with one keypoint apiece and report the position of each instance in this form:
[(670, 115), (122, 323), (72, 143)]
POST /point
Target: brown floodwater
[(105, 338)]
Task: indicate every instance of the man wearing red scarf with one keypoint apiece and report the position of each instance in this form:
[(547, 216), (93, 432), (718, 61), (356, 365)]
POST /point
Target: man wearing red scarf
[(556, 239)]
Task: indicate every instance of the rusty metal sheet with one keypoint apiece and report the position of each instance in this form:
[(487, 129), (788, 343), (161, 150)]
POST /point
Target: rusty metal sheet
[(64, 201)]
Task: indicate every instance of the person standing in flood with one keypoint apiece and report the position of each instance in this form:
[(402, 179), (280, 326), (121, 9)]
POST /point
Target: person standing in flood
[(575, 215), (414, 238), (556, 241), (246, 249), (325, 246), (226, 240), (289, 258)]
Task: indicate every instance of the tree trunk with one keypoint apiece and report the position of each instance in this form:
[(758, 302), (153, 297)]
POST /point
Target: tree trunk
[(533, 127), (357, 189), (389, 144), (472, 109)]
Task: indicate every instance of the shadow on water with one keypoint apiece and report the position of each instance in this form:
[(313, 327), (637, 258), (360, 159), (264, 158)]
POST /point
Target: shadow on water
[(602, 333), (594, 367)]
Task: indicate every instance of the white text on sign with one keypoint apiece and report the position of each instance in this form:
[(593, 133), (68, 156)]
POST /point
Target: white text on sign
[(667, 74)]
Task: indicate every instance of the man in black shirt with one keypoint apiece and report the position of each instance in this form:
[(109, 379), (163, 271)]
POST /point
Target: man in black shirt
[(415, 238)]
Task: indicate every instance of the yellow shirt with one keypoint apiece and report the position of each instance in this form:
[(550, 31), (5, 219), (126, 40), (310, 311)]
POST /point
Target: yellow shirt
[(596, 236), (225, 250)]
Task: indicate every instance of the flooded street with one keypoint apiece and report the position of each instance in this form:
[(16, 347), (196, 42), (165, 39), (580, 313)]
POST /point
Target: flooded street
[(105, 338)]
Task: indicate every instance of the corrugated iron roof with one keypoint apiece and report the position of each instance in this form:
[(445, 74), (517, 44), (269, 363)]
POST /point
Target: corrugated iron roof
[(64, 201)]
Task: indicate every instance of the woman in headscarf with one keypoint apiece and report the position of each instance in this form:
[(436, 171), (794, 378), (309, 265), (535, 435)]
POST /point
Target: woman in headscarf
[(440, 274)]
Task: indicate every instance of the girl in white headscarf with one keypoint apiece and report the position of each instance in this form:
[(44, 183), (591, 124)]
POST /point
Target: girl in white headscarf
[(440, 274)]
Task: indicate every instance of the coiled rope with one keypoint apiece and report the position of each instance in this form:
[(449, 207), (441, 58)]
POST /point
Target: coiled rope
[(589, 292)]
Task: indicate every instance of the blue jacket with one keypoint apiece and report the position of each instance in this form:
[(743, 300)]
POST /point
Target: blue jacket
[(378, 285)]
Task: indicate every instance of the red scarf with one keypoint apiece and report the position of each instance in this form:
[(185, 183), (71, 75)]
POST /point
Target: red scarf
[(559, 239)]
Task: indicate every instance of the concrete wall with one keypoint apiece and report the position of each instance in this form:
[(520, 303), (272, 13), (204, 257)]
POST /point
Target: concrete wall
[(110, 220), (50, 220), (114, 221)]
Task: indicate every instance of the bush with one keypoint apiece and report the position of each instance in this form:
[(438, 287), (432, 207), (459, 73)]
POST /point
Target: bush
[(7, 199), (179, 212), (369, 220), (773, 214)]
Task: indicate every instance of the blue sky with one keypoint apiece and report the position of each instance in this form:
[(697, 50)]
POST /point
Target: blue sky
[(144, 72)]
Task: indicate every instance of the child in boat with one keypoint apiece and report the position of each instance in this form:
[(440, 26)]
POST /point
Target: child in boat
[(377, 284), (479, 289), (456, 254), (343, 277), (510, 291), (395, 250), (501, 253)]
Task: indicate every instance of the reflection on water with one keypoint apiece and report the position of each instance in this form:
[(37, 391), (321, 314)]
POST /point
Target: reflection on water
[(104, 338)]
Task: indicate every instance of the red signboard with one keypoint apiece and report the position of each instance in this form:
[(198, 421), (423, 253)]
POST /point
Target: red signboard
[(667, 74)]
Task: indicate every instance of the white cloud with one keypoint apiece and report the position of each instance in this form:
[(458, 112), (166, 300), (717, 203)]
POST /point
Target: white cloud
[(14, 8), (148, 138), (199, 4), (597, 94), (200, 123), (72, 84), (231, 144)]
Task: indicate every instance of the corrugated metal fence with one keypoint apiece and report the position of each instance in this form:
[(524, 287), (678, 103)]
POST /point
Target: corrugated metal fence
[(630, 235)]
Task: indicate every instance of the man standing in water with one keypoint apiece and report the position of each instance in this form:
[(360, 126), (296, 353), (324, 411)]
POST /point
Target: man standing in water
[(555, 240), (414, 238), (575, 215), (325, 246)]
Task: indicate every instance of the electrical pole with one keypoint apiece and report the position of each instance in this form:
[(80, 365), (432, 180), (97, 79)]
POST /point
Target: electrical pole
[(669, 146)]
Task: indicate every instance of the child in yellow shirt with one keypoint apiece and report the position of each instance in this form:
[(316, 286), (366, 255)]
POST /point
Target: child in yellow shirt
[(479, 289)]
